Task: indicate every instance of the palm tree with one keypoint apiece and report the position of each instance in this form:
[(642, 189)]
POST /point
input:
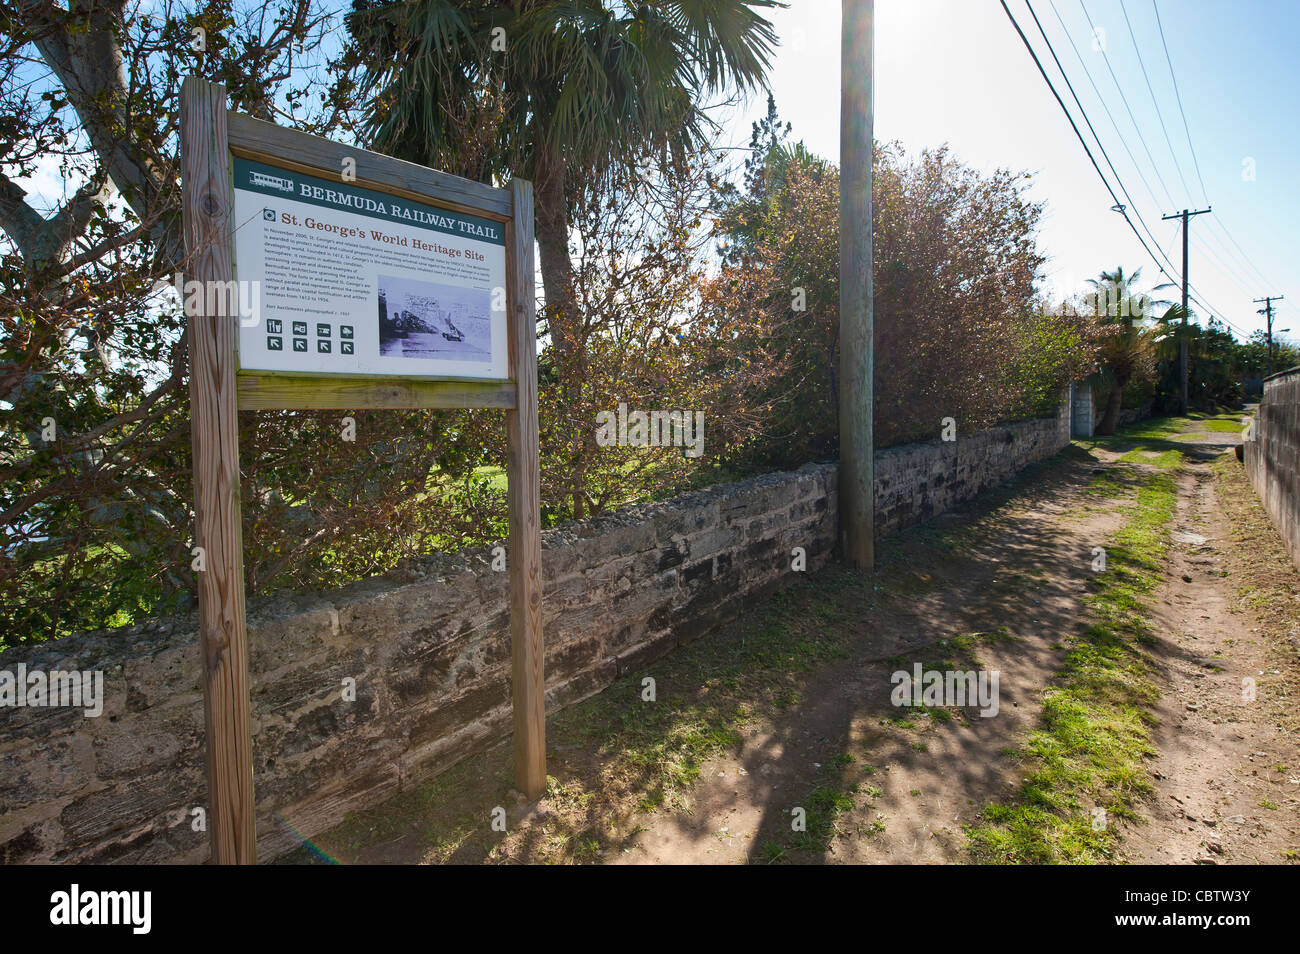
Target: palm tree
[(1128, 350), (567, 94), (562, 93)]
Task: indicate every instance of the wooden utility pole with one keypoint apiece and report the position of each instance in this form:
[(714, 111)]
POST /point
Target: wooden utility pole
[(857, 324), (207, 210), (1267, 311), (1182, 344)]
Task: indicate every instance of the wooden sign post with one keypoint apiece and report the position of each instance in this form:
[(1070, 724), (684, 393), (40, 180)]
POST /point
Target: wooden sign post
[(223, 639), (393, 243)]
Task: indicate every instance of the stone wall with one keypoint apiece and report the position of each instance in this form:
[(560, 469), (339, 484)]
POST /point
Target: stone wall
[(1273, 457), (429, 656), (917, 481)]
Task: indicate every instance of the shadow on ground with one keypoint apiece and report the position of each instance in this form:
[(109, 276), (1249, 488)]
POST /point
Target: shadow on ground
[(789, 706)]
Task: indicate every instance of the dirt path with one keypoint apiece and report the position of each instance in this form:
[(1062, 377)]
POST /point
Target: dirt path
[(1227, 775), (889, 785), (786, 713)]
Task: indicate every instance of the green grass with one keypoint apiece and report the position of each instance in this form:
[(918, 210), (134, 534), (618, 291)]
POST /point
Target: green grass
[(1165, 460), (1094, 736), (823, 807), (495, 476), (1223, 427), (1156, 428)]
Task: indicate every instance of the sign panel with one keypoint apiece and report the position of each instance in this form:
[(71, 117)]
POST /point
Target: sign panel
[(333, 279), (347, 280)]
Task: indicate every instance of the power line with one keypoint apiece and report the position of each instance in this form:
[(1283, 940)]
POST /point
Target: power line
[(1223, 266), (1137, 128), (1209, 309), (1191, 148), (1198, 297), (1123, 140), (1223, 225), (1178, 96), (1209, 253), (1101, 99), (1216, 255), (1115, 79), (1235, 260), (1172, 272), (1084, 113), (1222, 319), (1083, 142), (1159, 114), (1205, 249)]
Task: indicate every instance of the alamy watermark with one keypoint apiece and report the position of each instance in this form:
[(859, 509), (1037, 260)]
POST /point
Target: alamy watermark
[(946, 687), (242, 298), (1113, 299), (684, 429), (87, 907), (54, 688)]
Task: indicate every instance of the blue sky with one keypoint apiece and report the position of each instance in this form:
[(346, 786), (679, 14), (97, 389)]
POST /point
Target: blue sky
[(955, 71)]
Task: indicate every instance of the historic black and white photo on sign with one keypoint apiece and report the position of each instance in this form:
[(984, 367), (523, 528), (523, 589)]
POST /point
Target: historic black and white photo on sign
[(431, 320)]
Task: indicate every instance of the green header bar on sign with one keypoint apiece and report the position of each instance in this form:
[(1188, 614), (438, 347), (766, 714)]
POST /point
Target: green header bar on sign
[(287, 184)]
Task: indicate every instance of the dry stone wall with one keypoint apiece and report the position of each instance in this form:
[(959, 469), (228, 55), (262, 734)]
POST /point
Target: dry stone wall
[(1273, 457)]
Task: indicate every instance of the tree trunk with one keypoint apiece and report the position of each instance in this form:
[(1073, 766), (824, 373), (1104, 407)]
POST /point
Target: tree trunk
[(1110, 419), (552, 226), (562, 319)]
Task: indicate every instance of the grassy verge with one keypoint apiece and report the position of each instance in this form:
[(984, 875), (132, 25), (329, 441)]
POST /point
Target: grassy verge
[(1231, 425), (1085, 762)]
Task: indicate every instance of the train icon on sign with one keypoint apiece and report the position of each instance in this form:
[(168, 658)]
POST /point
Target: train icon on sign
[(270, 182)]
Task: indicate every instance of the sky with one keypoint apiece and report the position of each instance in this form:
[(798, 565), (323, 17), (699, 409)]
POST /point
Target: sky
[(956, 72)]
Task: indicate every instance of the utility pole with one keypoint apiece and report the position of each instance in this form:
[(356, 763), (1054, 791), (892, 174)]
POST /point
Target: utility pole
[(1182, 344), (857, 320), (1267, 311)]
